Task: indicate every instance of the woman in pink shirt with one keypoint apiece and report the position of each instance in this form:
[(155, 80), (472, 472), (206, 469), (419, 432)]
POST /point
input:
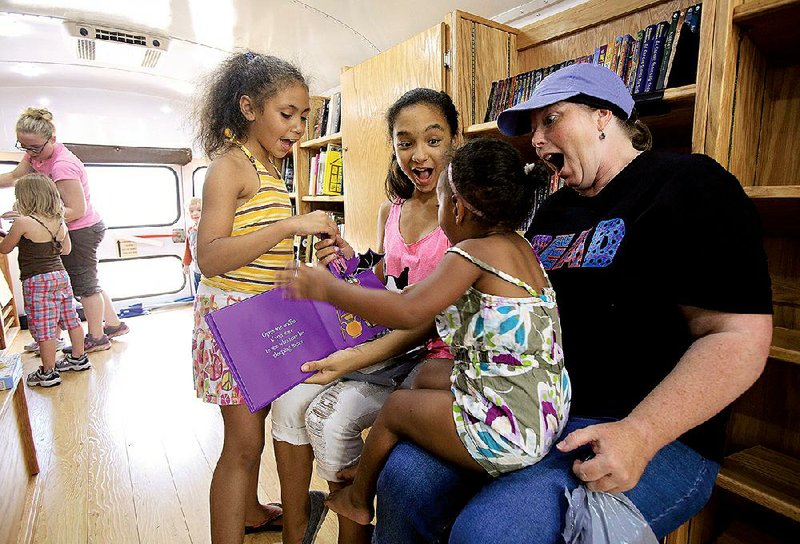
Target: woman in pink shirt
[(36, 136)]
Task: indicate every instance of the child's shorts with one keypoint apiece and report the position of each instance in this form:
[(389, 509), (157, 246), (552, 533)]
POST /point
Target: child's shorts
[(49, 305)]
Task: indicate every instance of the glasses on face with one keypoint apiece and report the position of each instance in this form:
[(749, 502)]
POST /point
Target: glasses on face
[(33, 150)]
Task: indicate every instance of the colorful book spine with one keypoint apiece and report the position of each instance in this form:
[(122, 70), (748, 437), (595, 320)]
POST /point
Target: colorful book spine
[(332, 181)]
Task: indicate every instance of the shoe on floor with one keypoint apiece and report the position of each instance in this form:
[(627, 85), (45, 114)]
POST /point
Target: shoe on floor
[(119, 330), (316, 515), (92, 344), (73, 363), (43, 379), (33, 347), (269, 524)]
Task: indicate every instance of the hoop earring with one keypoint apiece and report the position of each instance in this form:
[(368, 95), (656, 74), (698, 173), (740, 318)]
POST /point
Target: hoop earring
[(602, 135)]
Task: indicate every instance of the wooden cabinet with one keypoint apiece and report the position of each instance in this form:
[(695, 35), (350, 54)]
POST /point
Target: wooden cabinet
[(9, 319)]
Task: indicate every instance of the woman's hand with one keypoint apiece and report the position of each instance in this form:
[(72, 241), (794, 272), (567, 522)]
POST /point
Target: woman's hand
[(316, 222), (332, 367), (328, 249), (10, 215), (621, 453), (307, 281)]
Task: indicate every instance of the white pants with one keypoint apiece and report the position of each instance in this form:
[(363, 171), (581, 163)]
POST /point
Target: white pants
[(288, 413), (336, 418)]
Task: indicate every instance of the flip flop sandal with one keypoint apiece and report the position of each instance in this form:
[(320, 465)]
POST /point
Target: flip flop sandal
[(267, 525)]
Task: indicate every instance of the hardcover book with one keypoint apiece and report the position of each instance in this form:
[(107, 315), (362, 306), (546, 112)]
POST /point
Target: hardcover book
[(266, 338), (10, 370)]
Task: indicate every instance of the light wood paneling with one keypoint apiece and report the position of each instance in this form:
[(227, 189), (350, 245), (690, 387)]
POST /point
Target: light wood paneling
[(747, 114), (368, 89), (778, 156), (482, 53)]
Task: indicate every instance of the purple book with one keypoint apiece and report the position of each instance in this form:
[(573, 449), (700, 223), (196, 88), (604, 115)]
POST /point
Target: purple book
[(265, 338)]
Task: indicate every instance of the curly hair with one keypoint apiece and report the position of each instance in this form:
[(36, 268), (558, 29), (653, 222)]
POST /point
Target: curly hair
[(218, 117), (491, 175), (36, 194), (36, 121), (398, 186)]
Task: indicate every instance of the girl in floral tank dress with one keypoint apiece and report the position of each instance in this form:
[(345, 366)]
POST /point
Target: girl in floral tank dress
[(510, 394)]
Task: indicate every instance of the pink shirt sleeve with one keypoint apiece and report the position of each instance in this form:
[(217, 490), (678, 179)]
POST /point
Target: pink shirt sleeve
[(65, 170)]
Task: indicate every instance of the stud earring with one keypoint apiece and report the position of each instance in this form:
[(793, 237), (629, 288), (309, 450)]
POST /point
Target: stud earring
[(602, 135)]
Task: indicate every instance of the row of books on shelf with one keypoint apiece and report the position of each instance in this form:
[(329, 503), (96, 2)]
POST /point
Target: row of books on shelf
[(325, 175), (329, 117), (662, 55), (304, 245)]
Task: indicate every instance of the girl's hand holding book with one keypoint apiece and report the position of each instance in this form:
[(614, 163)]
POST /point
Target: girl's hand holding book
[(307, 281), (328, 249), (317, 222)]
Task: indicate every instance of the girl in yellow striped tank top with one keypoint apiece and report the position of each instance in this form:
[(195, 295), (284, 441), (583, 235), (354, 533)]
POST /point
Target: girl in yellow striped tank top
[(244, 238)]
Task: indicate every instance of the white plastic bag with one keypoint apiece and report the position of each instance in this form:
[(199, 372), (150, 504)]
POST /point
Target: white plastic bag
[(604, 518)]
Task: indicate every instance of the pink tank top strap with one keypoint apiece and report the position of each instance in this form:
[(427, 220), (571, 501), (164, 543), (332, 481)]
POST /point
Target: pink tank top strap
[(420, 257)]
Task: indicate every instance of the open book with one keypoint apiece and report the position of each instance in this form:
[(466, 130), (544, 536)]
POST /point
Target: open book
[(266, 338)]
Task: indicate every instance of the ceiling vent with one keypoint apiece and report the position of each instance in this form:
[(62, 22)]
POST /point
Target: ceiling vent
[(114, 46)]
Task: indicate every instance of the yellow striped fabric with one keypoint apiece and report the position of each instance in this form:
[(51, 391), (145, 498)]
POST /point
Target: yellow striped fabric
[(270, 204)]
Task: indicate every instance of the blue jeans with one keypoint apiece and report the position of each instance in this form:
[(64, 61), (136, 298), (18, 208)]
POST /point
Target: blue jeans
[(423, 499)]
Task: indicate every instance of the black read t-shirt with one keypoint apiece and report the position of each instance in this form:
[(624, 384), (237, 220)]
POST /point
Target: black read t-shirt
[(669, 230)]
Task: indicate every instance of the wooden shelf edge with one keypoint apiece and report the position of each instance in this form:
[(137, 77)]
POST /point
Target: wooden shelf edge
[(482, 128), (679, 94), (785, 345), (765, 477), (323, 198), (316, 143), (747, 12), (773, 191)]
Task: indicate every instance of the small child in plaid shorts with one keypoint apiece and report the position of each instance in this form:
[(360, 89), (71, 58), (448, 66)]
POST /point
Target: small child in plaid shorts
[(42, 237)]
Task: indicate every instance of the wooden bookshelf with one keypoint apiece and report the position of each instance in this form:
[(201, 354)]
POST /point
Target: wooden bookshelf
[(318, 143), (785, 345), (9, 319), (323, 198), (764, 476), (771, 25)]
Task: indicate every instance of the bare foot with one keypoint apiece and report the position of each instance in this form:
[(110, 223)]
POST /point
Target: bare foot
[(347, 474), (345, 503)]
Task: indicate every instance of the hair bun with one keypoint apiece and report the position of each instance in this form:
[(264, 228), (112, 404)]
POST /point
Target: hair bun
[(39, 113)]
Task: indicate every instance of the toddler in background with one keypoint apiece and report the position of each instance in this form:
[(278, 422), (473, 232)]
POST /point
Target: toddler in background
[(42, 237), (190, 253)]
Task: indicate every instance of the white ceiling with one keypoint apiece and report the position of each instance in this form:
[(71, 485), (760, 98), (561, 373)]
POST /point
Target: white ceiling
[(321, 36), (39, 64)]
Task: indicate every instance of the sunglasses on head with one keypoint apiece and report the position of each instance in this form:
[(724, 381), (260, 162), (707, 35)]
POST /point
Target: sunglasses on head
[(34, 149)]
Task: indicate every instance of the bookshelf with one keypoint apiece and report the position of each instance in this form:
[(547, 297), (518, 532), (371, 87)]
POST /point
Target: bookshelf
[(9, 319)]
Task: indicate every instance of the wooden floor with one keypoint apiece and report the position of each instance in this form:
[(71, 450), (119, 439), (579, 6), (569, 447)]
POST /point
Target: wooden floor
[(127, 450)]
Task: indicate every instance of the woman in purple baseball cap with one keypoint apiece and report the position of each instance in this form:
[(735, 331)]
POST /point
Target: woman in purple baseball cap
[(665, 303)]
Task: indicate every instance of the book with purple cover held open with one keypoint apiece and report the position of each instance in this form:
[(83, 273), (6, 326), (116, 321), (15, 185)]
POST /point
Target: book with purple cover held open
[(266, 338)]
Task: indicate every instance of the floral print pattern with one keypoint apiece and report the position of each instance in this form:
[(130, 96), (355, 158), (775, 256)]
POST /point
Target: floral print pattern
[(512, 392)]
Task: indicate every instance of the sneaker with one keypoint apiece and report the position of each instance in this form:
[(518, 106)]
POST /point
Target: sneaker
[(73, 363), (33, 347), (119, 330), (92, 344), (43, 379), (316, 515)]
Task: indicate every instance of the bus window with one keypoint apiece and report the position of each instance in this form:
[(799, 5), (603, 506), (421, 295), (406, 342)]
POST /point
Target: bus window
[(134, 196), (198, 179), (141, 277)]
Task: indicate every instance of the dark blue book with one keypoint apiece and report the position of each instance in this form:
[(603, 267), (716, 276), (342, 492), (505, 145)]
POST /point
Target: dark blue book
[(656, 54), (644, 59), (665, 59)]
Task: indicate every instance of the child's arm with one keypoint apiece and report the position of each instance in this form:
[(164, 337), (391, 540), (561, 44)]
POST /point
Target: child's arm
[(219, 252), (66, 242), (18, 228), (187, 257), (406, 310)]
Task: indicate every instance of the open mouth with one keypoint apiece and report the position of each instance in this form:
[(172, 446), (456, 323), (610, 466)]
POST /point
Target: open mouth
[(555, 161), (424, 175)]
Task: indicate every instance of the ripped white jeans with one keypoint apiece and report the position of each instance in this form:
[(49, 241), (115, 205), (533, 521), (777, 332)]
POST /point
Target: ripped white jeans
[(336, 418)]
